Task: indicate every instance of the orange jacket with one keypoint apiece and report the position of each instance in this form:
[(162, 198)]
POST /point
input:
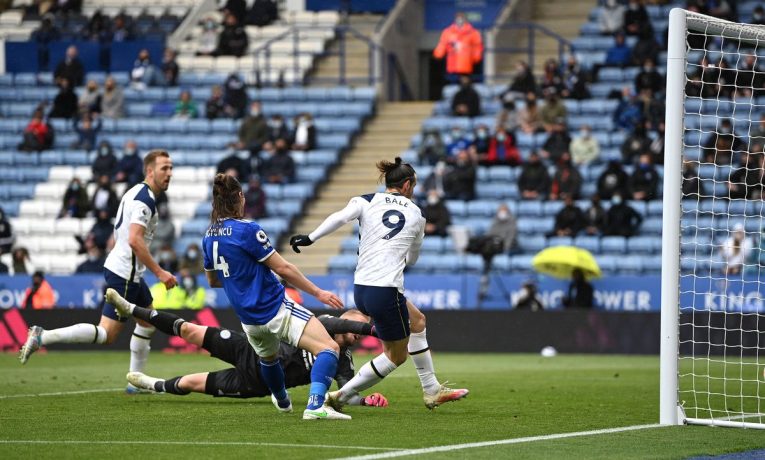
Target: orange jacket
[(462, 47), (43, 298)]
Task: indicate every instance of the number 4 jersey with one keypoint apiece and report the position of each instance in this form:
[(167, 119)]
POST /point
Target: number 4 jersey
[(391, 232)]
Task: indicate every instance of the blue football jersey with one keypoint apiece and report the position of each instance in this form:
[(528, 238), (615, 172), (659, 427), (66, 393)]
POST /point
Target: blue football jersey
[(236, 250)]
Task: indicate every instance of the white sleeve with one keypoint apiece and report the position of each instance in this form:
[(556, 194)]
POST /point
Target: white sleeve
[(351, 212), (414, 249), (141, 214)]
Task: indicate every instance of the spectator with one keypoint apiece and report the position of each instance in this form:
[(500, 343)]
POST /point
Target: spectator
[(65, 102), (279, 168), (90, 101), (75, 203), (523, 81), (459, 181), (557, 142), (647, 48), (435, 180), (104, 198), (191, 260), (529, 298), (253, 131), (144, 72), (235, 164), (502, 150), (208, 39), (657, 146), (481, 142), (168, 260), (164, 236), (534, 181), (437, 216), (277, 129), (70, 69), (113, 100), (431, 149), (20, 262), (214, 107), (570, 220), (456, 142), (736, 250), (186, 295), (94, 263), (614, 180), (718, 148), (553, 112), (574, 81), (130, 166), (530, 117), (500, 238), (40, 295), (185, 108), (304, 137), (37, 135), (508, 116), (758, 133), (238, 8), (254, 199), (635, 144), (551, 80), (584, 148), (747, 180), (98, 29), (43, 36), (649, 78), (466, 102), (170, 69), (621, 218), (232, 40), (262, 13), (636, 20), (105, 162), (102, 231), (618, 55), (7, 237), (595, 217), (87, 130), (628, 113), (235, 96), (462, 46), (644, 182), (580, 292), (750, 79), (121, 30), (567, 181), (692, 185), (758, 16), (611, 17)]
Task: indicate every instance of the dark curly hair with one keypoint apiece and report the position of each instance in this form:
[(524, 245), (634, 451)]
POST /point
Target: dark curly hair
[(226, 199)]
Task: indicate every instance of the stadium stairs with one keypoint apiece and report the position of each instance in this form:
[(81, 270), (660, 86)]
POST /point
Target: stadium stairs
[(387, 134), (356, 52)]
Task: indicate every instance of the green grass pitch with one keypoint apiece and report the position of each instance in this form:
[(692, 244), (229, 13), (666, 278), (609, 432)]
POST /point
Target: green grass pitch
[(512, 396)]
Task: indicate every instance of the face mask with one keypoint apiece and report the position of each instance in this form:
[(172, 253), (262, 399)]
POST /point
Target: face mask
[(459, 21), (503, 215), (501, 137), (634, 6), (130, 152), (585, 133), (75, 187), (188, 284), (103, 152), (276, 124), (456, 134), (255, 112), (645, 166), (461, 162), (482, 134), (432, 200), (616, 199), (192, 254), (165, 255)]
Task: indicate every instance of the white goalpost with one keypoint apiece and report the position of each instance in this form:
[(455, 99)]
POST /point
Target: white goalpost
[(713, 249)]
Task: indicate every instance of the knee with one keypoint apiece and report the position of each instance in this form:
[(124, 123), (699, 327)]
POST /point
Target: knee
[(398, 358), (111, 336), (417, 322)]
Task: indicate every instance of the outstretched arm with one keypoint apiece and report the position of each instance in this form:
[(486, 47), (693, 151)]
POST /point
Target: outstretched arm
[(336, 220), (296, 278), (335, 325)]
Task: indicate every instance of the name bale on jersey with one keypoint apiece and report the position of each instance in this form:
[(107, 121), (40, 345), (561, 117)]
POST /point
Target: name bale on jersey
[(393, 200)]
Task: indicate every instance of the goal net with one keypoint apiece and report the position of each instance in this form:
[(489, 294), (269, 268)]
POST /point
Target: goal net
[(713, 267)]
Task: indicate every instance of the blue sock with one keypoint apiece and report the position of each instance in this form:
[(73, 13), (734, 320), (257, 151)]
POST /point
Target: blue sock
[(322, 373), (273, 375)]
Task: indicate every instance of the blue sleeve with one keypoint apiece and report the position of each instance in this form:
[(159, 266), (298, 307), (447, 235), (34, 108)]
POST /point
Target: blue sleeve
[(257, 243), (207, 263)]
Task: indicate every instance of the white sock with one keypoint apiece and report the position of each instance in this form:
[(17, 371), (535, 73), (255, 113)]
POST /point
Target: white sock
[(423, 362), (139, 347), (77, 333), (369, 375)]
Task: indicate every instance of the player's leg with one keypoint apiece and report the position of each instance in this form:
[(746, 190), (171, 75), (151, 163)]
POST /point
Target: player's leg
[(140, 342), (435, 393), (266, 346), (315, 340), (181, 385), (104, 333)]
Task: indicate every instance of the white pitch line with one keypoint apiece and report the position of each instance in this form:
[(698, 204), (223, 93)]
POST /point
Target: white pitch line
[(473, 445), (192, 443), (62, 393)]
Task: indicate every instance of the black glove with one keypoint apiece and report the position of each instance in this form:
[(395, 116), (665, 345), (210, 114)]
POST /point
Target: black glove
[(299, 240)]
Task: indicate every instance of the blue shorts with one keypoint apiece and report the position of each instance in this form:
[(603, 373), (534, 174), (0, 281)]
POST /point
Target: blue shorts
[(136, 293), (387, 307)]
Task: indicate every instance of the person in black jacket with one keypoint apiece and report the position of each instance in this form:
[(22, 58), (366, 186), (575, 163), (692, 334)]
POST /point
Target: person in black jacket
[(644, 182), (580, 292), (613, 180), (524, 81), (459, 181), (437, 216), (621, 219), (65, 103), (534, 181), (70, 69), (232, 40), (570, 220), (7, 238), (262, 13), (466, 101), (105, 162), (279, 168)]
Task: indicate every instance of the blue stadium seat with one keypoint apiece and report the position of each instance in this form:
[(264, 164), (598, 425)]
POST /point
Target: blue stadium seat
[(613, 245), (481, 208), (521, 263), (630, 265), (560, 241), (432, 244), (530, 208), (344, 263), (643, 245), (456, 208), (590, 243)]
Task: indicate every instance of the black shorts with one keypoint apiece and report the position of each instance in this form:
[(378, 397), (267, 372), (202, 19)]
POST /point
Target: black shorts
[(387, 307), (243, 380), (136, 293)]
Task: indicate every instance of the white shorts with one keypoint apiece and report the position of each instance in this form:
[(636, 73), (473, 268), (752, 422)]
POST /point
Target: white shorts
[(287, 326)]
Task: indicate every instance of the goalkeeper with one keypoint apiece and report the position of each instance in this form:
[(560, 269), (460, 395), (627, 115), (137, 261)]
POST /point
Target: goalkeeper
[(244, 380)]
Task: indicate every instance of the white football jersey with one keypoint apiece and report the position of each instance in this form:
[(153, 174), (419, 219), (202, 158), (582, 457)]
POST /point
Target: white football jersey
[(137, 207), (391, 232)]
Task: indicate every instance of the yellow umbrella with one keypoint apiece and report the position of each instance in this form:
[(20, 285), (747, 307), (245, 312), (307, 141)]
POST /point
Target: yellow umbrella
[(561, 261)]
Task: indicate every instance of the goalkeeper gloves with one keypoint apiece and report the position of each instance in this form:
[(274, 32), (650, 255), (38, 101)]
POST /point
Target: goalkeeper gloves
[(375, 400), (299, 240)]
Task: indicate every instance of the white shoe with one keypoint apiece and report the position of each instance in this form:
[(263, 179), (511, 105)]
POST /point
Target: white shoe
[(32, 344), (123, 307), (280, 408), (443, 395), (324, 413), (139, 382)]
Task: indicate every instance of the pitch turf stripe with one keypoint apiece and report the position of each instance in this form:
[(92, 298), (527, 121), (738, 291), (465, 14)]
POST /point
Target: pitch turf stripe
[(62, 393), (192, 443), (473, 445)]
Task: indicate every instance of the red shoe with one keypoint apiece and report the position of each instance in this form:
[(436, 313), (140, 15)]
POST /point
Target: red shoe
[(444, 395)]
